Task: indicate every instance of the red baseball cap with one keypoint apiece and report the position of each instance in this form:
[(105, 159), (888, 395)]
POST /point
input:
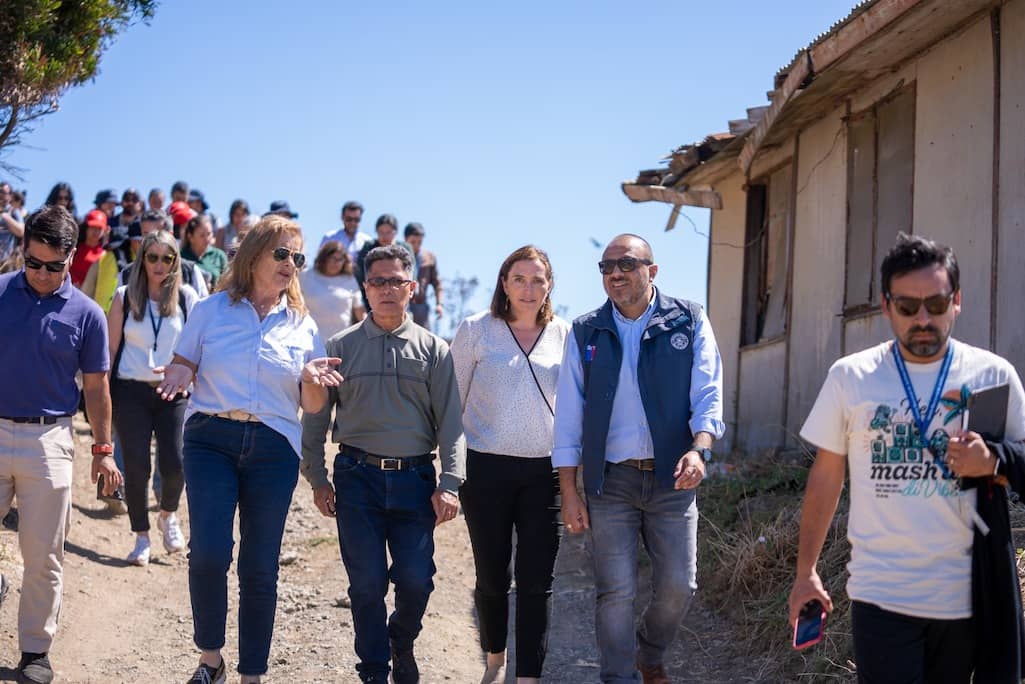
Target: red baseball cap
[(180, 213), (96, 219)]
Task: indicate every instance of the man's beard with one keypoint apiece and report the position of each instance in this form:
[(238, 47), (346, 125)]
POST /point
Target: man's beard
[(925, 348)]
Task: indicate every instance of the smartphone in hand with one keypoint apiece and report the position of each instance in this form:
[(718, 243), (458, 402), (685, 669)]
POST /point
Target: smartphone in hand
[(118, 495), (810, 625)]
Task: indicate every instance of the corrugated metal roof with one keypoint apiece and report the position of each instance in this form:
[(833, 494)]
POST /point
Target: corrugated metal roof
[(686, 158), (837, 25)]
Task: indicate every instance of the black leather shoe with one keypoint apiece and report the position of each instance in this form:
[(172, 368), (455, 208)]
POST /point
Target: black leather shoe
[(403, 666), (34, 668)]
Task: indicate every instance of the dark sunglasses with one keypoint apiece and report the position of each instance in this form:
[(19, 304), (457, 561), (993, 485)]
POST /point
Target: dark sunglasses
[(393, 283), (626, 264), (51, 266), (936, 305), (282, 253), (152, 258)]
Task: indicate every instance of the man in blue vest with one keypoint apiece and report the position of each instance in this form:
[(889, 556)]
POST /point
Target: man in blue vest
[(639, 405)]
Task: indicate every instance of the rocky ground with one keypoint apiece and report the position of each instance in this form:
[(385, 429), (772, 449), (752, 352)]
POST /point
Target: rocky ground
[(127, 624)]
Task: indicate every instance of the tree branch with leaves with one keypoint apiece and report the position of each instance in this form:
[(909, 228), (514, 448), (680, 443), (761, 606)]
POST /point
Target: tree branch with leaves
[(48, 46)]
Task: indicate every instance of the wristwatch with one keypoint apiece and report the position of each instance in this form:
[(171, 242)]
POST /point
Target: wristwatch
[(102, 449), (704, 452)]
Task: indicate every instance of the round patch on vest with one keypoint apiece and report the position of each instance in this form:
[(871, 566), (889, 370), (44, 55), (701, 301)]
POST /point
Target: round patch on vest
[(679, 341)]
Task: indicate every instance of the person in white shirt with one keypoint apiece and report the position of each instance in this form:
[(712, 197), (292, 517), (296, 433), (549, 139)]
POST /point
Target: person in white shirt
[(349, 234), (507, 363), (330, 290), (892, 414), (144, 322)]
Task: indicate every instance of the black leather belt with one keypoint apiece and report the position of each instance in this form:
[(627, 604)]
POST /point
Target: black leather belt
[(35, 420), (387, 462), (639, 463)]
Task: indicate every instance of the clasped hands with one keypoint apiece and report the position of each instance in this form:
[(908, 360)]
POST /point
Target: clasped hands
[(445, 503)]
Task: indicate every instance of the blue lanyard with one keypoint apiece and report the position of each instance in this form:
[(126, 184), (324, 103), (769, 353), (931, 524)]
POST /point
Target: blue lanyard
[(156, 325), (909, 391)]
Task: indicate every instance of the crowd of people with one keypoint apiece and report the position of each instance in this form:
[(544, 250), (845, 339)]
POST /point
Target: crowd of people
[(241, 389)]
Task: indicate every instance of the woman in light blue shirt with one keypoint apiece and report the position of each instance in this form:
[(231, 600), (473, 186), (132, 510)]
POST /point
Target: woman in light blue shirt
[(254, 357)]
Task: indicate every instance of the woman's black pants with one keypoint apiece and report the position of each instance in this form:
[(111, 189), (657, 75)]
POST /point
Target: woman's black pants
[(502, 494), (139, 413)]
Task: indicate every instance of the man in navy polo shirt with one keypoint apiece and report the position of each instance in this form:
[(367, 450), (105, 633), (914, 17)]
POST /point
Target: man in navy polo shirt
[(51, 331)]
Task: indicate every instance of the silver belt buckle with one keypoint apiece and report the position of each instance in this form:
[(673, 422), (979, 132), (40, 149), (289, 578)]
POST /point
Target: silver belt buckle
[(391, 464)]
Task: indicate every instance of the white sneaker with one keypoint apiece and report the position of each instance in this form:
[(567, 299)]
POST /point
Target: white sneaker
[(174, 540), (140, 554)]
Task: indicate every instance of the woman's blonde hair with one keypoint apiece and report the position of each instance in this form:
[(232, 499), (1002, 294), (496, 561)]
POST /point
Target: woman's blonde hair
[(137, 294), (264, 237)]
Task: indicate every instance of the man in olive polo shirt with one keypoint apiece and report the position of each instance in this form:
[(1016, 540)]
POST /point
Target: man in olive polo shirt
[(51, 331), (398, 402)]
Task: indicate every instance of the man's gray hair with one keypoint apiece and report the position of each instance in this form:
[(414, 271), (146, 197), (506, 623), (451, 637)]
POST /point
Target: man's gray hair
[(388, 253)]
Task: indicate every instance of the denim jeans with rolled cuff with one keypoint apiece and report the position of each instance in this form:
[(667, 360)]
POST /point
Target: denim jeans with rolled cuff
[(233, 465)]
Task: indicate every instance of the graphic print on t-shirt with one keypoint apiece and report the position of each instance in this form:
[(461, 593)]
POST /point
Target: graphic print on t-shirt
[(905, 464)]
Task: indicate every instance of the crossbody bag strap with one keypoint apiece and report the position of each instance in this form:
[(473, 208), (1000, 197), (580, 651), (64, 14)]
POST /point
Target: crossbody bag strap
[(526, 355)]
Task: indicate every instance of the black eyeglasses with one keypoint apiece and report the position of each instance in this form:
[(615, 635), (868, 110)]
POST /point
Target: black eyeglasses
[(626, 264), (393, 283), (51, 266), (282, 253), (936, 305), (152, 258)]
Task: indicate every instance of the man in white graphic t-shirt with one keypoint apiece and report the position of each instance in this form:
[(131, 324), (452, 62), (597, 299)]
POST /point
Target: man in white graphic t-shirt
[(893, 415)]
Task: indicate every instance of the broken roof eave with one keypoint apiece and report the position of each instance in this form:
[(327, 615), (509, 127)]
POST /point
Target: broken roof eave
[(708, 199), (695, 187), (855, 55)]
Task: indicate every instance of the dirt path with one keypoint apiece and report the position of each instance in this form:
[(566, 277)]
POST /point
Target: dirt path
[(127, 624)]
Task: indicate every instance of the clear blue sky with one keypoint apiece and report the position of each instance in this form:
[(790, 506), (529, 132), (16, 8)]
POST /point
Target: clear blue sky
[(494, 125)]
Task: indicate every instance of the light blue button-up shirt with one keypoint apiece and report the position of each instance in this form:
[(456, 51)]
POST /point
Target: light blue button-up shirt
[(629, 436), (351, 244), (247, 364)]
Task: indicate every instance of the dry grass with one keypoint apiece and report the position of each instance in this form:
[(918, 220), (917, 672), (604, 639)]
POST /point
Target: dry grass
[(746, 562), (748, 553)]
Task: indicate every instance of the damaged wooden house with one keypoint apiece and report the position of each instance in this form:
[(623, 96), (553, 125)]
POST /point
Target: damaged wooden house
[(907, 115)]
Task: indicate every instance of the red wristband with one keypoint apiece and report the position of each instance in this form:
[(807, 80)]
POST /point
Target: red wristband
[(103, 449)]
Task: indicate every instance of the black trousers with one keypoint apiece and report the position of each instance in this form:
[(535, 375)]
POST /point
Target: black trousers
[(502, 494), (891, 648), (139, 413)]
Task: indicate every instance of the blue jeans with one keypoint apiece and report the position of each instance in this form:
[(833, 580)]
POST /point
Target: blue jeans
[(631, 504), (231, 464), (375, 508)]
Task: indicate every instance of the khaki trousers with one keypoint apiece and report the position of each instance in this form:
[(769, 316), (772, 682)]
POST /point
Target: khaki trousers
[(35, 466)]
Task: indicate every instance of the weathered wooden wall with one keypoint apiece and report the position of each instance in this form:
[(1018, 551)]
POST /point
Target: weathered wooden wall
[(960, 189), (954, 164), (726, 263), (1010, 318)]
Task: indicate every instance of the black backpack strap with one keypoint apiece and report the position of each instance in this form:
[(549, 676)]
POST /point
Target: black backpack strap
[(181, 306), (125, 311)]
